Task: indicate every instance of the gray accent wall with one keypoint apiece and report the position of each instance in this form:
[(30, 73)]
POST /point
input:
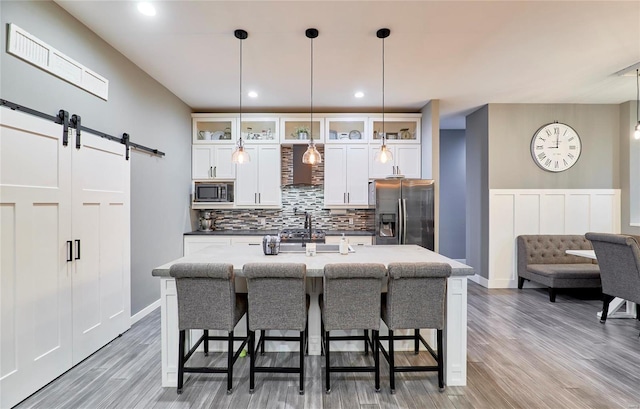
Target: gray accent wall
[(138, 105), (452, 193), (477, 183), (511, 127), (629, 169)]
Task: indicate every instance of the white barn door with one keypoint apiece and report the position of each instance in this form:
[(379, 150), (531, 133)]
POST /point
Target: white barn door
[(35, 277)]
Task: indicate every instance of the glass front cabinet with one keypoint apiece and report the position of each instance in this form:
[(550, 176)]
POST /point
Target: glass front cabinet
[(346, 129), (297, 129), (399, 129), (209, 129)]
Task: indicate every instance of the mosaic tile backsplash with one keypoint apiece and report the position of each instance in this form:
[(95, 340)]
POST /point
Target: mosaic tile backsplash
[(295, 201)]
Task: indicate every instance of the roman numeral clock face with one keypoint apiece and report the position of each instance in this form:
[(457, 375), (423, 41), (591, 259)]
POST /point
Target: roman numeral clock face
[(555, 147)]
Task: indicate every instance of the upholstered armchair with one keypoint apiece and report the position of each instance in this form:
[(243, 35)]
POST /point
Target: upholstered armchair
[(619, 259)]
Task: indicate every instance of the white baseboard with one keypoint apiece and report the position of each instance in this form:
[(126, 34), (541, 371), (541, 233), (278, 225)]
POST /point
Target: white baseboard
[(145, 311)]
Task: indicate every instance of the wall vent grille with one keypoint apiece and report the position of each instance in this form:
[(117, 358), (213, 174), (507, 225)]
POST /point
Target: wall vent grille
[(35, 51)]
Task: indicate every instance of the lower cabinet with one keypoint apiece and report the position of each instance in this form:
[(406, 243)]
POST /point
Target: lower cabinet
[(353, 240), (64, 251)]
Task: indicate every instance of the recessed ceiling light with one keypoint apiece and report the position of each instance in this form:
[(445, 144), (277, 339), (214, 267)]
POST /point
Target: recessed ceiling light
[(146, 8), (359, 94), (253, 94)]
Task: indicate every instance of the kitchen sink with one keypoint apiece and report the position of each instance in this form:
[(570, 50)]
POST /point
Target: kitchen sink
[(320, 248)]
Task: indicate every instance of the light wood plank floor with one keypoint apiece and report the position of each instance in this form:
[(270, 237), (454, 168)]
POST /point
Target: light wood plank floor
[(524, 352)]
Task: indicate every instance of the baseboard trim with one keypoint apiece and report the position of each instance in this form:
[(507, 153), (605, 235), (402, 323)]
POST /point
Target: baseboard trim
[(145, 311)]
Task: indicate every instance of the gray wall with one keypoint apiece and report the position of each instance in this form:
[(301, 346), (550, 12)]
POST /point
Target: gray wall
[(629, 165), (452, 193), (477, 189), (511, 127), (138, 105)]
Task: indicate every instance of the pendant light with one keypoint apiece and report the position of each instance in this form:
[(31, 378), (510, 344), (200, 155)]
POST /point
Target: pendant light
[(311, 156), (636, 134), (384, 154), (240, 156)]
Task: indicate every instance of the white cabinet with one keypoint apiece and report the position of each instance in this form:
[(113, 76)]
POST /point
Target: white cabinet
[(212, 162), (195, 243), (64, 243), (406, 161), (399, 128), (214, 128), (351, 129), (258, 181), (353, 240), (296, 129), (346, 176)]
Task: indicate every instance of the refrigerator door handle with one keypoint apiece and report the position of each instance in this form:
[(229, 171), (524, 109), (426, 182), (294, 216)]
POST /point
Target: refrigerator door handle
[(400, 221), (404, 221)]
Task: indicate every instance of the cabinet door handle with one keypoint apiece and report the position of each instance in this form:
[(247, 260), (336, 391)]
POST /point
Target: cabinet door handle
[(255, 198), (215, 171), (69, 251), (348, 197), (344, 197), (77, 249), (259, 197), (210, 171)]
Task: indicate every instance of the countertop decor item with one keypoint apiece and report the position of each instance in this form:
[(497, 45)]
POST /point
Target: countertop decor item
[(311, 156), (355, 134), (383, 155), (240, 156)]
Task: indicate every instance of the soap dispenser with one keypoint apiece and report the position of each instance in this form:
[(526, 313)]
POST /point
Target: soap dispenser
[(344, 246)]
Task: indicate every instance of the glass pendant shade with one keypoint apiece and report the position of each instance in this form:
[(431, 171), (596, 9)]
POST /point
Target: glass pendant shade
[(311, 155), (384, 155), (240, 156)]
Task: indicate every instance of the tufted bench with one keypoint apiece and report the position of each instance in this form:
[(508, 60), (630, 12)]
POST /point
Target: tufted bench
[(542, 259)]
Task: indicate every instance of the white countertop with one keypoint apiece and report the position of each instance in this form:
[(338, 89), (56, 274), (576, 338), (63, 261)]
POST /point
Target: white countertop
[(240, 254)]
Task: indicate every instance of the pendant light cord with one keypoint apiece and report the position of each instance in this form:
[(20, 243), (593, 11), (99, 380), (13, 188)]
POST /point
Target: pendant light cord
[(240, 92), (637, 97), (384, 135), (311, 123)]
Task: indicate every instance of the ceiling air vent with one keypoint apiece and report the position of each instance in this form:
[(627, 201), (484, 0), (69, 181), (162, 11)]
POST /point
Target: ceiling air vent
[(35, 51)]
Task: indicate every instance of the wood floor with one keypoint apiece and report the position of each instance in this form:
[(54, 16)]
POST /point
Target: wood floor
[(523, 352)]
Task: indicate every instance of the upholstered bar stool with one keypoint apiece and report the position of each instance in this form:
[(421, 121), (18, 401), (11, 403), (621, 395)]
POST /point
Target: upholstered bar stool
[(207, 300), (351, 301), (415, 299), (277, 301)]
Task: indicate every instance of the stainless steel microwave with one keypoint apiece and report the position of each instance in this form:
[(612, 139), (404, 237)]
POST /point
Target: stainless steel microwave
[(213, 192)]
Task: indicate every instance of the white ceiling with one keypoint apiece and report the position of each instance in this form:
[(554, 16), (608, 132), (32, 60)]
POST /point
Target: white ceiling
[(464, 53)]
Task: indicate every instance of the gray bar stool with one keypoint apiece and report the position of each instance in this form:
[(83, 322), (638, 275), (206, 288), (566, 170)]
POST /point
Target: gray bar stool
[(277, 301), (415, 299), (207, 300), (351, 301)]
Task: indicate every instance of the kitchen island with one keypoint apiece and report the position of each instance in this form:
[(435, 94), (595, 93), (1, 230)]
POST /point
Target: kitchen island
[(455, 334)]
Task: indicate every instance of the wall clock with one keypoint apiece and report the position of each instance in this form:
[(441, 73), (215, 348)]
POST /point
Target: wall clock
[(555, 147)]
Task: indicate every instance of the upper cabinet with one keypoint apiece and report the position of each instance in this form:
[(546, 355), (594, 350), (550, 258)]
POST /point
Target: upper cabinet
[(297, 129), (399, 128), (348, 129), (212, 162), (214, 129), (259, 130)]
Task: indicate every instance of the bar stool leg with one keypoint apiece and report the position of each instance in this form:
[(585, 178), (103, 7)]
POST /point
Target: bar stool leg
[(366, 342), (327, 364), (262, 341), (205, 339), (440, 360), (252, 360), (230, 364), (181, 339), (392, 365), (302, 353), (376, 357), (322, 337), (416, 341)]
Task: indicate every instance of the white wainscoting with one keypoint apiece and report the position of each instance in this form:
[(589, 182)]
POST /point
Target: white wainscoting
[(513, 212)]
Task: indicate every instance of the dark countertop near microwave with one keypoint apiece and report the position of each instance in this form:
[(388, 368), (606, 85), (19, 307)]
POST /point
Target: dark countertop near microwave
[(273, 232)]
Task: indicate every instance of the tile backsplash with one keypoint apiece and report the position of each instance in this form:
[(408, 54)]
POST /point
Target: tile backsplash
[(295, 201)]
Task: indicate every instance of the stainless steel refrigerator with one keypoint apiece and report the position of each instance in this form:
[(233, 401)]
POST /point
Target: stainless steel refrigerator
[(404, 211)]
